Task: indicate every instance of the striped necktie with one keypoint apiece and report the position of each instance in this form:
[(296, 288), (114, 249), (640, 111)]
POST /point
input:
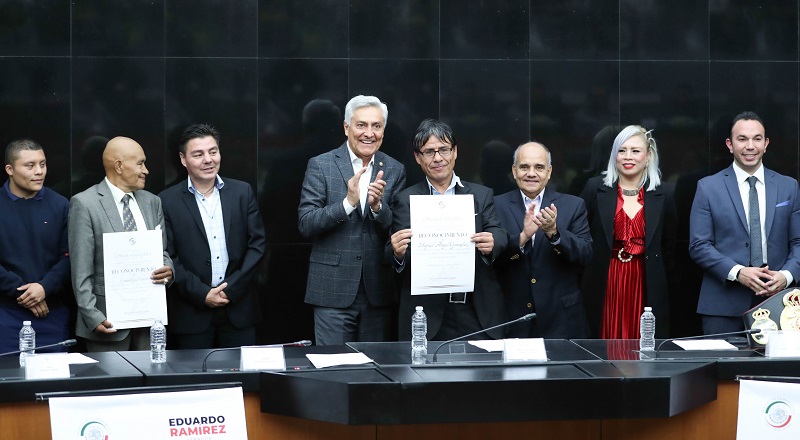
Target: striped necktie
[(128, 223)]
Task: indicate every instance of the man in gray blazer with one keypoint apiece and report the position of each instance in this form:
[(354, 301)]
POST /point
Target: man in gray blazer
[(100, 209), (345, 207)]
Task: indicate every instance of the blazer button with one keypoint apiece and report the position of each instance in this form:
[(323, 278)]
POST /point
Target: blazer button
[(533, 280), (358, 257), (530, 306)]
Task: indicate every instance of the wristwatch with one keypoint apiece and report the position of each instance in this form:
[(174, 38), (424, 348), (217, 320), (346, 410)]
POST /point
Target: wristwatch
[(555, 237)]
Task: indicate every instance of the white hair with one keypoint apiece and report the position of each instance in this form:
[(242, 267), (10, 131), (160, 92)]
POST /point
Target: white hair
[(364, 101), (651, 174)]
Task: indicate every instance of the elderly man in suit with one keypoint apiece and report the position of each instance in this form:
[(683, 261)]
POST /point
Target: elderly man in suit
[(744, 230), (345, 208), (101, 209), (548, 244), (216, 239), (457, 313)]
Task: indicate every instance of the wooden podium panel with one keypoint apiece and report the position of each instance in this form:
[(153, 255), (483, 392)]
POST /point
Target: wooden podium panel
[(715, 420), (556, 430)]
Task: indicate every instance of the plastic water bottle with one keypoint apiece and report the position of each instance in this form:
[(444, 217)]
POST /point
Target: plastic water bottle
[(27, 340), (419, 337), (647, 330), (158, 343)]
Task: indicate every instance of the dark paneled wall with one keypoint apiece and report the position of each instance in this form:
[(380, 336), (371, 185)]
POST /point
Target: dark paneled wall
[(499, 71)]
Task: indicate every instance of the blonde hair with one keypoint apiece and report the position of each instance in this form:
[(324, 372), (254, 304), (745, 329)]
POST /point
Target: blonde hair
[(652, 174)]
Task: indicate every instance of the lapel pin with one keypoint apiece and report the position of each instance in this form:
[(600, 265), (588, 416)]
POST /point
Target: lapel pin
[(380, 164)]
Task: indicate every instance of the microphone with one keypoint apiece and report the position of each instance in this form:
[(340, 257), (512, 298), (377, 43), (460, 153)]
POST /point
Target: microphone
[(303, 343), (67, 343), (527, 317), (752, 331)]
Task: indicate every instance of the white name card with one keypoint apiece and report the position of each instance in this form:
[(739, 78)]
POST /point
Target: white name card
[(262, 358), (47, 366), (520, 350), (783, 343)]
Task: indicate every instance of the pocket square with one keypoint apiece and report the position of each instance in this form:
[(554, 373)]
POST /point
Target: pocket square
[(784, 203)]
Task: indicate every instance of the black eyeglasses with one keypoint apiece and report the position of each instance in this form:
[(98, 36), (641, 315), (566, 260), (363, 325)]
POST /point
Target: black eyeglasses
[(444, 152)]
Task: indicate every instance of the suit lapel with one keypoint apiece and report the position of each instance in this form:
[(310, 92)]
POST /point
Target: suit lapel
[(148, 214), (109, 205), (466, 189), (346, 168), (607, 207), (549, 197), (771, 196), (517, 207), (226, 204), (189, 201), (653, 206), (736, 197), (344, 164)]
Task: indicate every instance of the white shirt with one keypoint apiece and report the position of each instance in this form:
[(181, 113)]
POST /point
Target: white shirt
[(744, 192), (214, 224), (451, 189), (527, 200), (363, 181), (117, 194)]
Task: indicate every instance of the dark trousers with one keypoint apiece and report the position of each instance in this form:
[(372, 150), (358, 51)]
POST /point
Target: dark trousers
[(220, 334), (459, 320)]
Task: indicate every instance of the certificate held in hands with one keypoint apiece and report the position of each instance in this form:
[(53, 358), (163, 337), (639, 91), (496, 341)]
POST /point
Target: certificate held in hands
[(132, 300), (443, 252)]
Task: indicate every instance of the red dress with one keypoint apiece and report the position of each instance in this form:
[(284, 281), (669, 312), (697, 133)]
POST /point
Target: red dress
[(625, 295)]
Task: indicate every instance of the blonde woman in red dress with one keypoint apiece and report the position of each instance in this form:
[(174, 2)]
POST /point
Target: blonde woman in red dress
[(632, 219)]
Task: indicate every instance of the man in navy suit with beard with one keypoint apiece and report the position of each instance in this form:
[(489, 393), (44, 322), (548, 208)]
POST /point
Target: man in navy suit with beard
[(744, 230)]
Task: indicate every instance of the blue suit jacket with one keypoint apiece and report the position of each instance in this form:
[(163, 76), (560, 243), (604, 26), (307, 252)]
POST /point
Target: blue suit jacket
[(719, 238), (346, 246), (188, 247), (555, 295)]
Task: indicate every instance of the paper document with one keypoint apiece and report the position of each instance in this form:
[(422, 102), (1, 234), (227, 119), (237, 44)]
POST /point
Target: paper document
[(443, 255), (706, 344), (332, 360), (132, 300)]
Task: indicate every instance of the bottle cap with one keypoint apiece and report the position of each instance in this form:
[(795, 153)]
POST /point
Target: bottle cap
[(648, 309), (26, 323), (419, 308)]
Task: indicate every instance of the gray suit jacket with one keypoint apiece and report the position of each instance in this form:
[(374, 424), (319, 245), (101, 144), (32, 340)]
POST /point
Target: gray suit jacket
[(91, 213), (346, 246)]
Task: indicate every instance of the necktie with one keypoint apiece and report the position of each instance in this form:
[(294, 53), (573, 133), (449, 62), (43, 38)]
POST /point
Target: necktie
[(128, 223), (756, 256)]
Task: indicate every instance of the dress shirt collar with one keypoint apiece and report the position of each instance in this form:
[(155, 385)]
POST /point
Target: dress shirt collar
[(741, 175), (450, 189), (538, 199), (355, 160), (194, 190), (116, 193)]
